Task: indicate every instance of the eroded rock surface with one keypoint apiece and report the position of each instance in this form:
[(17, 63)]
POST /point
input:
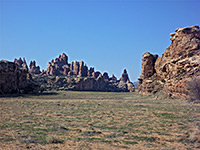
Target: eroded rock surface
[(96, 82), (176, 68), (21, 62), (59, 66), (15, 78), (33, 69), (61, 75), (124, 77)]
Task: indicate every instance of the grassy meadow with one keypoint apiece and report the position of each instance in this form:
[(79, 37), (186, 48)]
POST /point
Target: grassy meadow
[(96, 120)]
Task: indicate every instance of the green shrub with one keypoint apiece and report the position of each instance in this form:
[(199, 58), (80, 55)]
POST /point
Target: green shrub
[(194, 89), (163, 80), (190, 54)]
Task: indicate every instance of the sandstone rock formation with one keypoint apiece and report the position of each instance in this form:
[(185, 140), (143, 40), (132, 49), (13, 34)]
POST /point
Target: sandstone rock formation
[(91, 84), (131, 87), (33, 69), (61, 75), (74, 67), (176, 68), (125, 82), (83, 69), (148, 65), (90, 71), (113, 78), (124, 77), (58, 66), (96, 82), (21, 63), (105, 76), (15, 78), (66, 70), (96, 74)]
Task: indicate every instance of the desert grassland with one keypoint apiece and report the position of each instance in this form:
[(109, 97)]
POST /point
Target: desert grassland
[(96, 120)]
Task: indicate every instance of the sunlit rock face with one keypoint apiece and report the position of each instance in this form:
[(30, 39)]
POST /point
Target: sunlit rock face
[(176, 68), (59, 66)]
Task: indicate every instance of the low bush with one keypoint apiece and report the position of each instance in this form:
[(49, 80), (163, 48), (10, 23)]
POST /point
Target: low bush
[(194, 89)]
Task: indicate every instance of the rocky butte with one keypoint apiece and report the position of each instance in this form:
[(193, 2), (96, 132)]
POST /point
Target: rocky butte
[(177, 71), (17, 77), (62, 75)]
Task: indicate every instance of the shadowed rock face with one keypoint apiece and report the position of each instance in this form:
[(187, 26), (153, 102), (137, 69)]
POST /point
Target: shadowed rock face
[(124, 77), (96, 74), (14, 79), (83, 69), (148, 65), (74, 67), (90, 71), (113, 78), (105, 76), (173, 71), (21, 63)]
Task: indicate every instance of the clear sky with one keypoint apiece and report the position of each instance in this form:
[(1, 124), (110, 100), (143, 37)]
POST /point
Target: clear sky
[(109, 35)]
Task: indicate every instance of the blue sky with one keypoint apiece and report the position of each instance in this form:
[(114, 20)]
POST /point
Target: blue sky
[(109, 35)]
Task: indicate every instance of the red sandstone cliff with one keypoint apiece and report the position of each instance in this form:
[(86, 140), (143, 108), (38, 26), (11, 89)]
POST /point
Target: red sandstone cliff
[(176, 69)]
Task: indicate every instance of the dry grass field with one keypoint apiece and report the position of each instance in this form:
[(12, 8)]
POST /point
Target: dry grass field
[(97, 120)]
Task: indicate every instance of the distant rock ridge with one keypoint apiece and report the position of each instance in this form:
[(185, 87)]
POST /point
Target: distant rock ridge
[(61, 75), (83, 79), (174, 71), (96, 82)]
